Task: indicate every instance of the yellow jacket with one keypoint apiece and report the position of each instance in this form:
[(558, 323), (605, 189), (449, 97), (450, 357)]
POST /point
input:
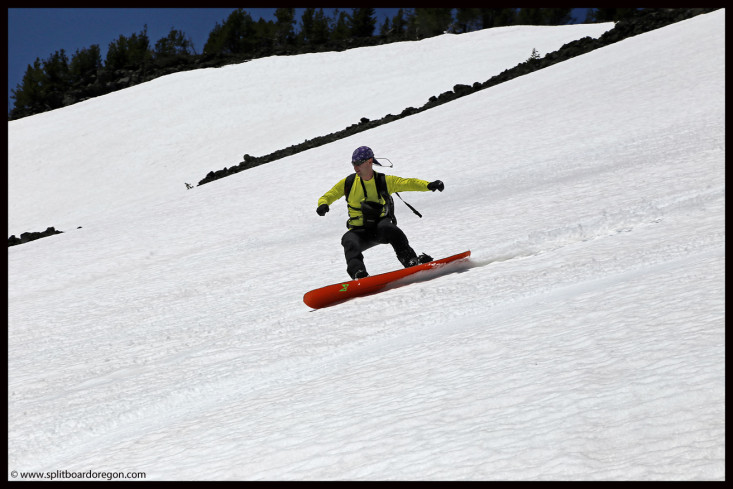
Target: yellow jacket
[(356, 197)]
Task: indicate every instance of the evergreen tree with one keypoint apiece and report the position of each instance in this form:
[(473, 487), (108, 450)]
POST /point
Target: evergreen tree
[(399, 25), (56, 79), (315, 27), (56, 68), (176, 43), (129, 52), (139, 47), (285, 26), (235, 36), (239, 33), (558, 16), (116, 54), (307, 21), (215, 42), (362, 22), (498, 17), (468, 19), (265, 38), (385, 28), (341, 29), (544, 16), (321, 28), (28, 95), (531, 16), (85, 65), (44, 85), (428, 22)]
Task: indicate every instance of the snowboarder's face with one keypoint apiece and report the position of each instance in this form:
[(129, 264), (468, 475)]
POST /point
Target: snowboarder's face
[(364, 169)]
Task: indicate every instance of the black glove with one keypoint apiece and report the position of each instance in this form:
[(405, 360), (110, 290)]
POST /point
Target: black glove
[(436, 185), (322, 209)]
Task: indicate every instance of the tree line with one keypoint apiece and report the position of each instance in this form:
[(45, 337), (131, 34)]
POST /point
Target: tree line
[(58, 80)]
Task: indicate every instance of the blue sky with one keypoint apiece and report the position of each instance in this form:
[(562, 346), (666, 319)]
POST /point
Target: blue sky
[(39, 32)]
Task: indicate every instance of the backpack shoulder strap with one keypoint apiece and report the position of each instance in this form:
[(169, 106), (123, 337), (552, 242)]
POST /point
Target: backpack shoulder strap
[(348, 184), (381, 184)]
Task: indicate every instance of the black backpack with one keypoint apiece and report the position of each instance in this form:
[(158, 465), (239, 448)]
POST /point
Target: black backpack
[(381, 190)]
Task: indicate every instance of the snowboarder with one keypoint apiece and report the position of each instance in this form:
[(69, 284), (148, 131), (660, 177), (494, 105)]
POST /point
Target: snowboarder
[(371, 212)]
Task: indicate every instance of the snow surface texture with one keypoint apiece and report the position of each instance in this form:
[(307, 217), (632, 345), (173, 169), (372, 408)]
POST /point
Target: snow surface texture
[(583, 340)]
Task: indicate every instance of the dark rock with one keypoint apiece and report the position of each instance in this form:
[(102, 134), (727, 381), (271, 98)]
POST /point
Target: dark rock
[(31, 236)]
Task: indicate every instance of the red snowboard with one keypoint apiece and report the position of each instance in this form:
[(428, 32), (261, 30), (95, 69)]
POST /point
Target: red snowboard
[(333, 294)]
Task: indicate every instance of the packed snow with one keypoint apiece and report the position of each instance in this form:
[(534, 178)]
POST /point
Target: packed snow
[(163, 335)]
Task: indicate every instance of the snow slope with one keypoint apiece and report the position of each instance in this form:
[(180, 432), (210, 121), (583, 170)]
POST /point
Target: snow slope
[(583, 341), (149, 140)]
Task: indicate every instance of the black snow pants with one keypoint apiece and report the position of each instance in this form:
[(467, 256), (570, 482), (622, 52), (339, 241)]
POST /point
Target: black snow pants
[(357, 240)]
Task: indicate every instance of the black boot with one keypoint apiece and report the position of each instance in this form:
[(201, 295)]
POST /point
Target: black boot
[(408, 258), (424, 259), (419, 260)]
